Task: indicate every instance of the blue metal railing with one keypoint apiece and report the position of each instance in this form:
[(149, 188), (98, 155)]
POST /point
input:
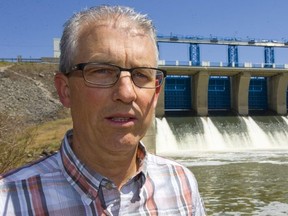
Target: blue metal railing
[(215, 39), (178, 63), (222, 64), (34, 60)]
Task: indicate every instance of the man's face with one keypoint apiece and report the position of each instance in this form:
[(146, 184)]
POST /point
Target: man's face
[(113, 118)]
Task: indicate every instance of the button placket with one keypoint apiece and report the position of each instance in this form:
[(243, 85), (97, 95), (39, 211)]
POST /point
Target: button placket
[(111, 196)]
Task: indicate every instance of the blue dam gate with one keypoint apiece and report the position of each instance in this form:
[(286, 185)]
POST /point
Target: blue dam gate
[(219, 93), (178, 92), (258, 97)]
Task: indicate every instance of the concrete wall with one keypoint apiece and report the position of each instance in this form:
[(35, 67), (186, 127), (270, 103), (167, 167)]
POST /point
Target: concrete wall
[(199, 88), (150, 138), (277, 88), (240, 90)]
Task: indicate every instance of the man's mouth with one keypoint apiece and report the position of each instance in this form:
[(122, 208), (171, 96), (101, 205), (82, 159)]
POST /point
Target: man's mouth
[(120, 119)]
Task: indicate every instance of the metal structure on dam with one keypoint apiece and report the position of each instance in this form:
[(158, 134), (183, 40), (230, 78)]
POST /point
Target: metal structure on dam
[(204, 86)]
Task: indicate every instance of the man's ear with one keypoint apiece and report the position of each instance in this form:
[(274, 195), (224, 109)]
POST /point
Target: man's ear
[(157, 93), (158, 89), (62, 87)]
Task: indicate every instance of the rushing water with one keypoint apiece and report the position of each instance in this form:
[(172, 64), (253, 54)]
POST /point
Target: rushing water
[(241, 163)]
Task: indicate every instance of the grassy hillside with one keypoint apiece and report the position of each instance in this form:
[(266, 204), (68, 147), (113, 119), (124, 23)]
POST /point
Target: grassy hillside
[(32, 121)]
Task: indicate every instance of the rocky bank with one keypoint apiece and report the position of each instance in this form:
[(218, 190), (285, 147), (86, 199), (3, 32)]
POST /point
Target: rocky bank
[(27, 90)]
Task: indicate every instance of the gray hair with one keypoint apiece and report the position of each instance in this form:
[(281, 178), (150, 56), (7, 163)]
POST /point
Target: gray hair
[(73, 27)]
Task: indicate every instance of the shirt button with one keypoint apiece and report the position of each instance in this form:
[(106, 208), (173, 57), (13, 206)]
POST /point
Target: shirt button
[(90, 196), (109, 186)]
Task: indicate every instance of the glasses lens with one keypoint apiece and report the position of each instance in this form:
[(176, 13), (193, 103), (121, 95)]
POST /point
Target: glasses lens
[(101, 74), (147, 77)]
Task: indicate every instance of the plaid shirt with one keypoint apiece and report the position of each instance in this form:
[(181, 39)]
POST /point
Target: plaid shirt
[(61, 185)]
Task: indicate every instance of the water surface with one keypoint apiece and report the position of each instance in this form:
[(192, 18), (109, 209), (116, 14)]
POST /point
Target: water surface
[(241, 163), (242, 183)]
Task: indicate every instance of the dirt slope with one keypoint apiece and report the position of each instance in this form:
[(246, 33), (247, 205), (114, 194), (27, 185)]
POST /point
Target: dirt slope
[(27, 90)]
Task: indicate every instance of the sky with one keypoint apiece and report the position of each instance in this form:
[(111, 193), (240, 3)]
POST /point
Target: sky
[(27, 27)]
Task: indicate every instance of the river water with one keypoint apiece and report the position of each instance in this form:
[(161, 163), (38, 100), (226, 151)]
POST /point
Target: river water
[(241, 163)]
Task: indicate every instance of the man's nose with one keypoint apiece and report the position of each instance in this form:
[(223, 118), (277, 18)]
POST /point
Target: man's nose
[(125, 88)]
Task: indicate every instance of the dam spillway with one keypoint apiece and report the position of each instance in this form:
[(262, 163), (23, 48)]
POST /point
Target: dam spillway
[(183, 136)]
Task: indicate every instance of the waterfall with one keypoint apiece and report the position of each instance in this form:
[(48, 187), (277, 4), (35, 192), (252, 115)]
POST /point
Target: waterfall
[(185, 135), (164, 133)]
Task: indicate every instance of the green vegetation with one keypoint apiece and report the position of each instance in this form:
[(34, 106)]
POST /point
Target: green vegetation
[(13, 142), (20, 144), (27, 131), (34, 67), (49, 135), (4, 64)]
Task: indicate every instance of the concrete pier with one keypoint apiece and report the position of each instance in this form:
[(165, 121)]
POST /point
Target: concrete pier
[(240, 87), (277, 93), (150, 138), (200, 92)]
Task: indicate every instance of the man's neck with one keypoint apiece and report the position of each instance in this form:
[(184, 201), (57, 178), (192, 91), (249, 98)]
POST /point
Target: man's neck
[(118, 167)]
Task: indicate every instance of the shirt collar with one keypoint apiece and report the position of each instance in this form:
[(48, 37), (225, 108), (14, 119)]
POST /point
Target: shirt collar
[(85, 181)]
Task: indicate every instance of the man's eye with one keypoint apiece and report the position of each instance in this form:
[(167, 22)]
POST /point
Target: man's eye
[(142, 74), (100, 72)]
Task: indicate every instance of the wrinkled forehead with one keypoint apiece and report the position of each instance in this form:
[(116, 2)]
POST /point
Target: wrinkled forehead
[(115, 41), (131, 27), (92, 35)]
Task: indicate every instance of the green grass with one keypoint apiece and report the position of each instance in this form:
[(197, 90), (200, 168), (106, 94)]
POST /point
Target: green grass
[(21, 142), (20, 145), (49, 136), (4, 64)]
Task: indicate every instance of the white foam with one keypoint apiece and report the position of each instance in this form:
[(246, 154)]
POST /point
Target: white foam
[(246, 136)]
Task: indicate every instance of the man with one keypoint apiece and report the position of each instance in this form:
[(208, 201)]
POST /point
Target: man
[(110, 81)]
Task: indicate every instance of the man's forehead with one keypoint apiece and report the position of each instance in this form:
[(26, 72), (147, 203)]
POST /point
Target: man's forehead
[(122, 24)]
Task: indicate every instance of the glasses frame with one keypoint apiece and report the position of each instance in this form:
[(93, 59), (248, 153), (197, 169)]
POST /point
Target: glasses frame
[(81, 67)]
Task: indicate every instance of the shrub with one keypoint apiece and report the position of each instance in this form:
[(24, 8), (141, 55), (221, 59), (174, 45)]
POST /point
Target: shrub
[(14, 139)]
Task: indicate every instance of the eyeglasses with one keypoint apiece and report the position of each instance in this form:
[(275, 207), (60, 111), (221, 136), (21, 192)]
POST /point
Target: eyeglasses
[(106, 75)]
